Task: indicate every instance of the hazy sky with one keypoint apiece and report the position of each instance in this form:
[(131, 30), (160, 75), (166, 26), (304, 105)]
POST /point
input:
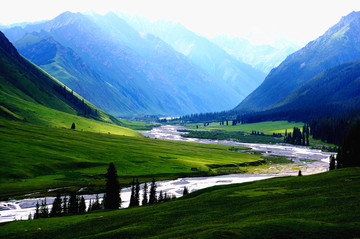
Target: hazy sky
[(301, 20)]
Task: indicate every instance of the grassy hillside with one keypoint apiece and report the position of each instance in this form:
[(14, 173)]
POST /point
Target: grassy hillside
[(318, 206), (39, 157)]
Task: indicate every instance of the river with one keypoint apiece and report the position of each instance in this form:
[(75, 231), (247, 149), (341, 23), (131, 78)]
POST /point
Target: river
[(317, 161)]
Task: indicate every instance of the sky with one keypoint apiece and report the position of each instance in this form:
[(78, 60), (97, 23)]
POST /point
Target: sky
[(264, 20)]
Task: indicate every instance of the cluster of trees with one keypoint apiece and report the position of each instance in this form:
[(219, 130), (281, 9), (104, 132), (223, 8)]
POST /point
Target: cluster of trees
[(152, 198), (61, 207), (348, 153), (334, 129), (298, 137), (78, 103), (111, 200)]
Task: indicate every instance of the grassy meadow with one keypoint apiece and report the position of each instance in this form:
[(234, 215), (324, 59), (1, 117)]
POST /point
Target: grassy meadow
[(267, 127), (41, 157), (318, 206)]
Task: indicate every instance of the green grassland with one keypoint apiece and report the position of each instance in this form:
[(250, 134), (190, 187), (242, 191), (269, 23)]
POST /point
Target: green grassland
[(39, 157), (267, 127), (319, 206)]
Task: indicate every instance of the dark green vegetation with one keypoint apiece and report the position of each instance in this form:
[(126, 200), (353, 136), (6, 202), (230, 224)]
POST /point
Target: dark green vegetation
[(349, 152), (122, 71), (39, 157), (232, 135), (290, 207), (338, 45), (334, 129)]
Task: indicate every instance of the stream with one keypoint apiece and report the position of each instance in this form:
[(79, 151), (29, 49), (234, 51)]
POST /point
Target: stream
[(315, 161)]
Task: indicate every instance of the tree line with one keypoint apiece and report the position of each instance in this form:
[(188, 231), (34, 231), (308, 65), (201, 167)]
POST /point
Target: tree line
[(298, 137), (79, 104), (348, 154), (112, 200)]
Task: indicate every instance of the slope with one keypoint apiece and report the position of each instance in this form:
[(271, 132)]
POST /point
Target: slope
[(338, 45), (124, 72), (323, 205), (337, 87), (29, 94)]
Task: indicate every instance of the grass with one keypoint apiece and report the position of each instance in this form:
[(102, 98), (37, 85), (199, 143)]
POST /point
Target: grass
[(39, 157), (239, 136), (267, 127), (319, 206)]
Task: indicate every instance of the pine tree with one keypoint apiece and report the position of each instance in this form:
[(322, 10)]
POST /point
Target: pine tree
[(152, 198), (44, 210), (37, 211), (65, 207), (112, 198), (332, 165), (132, 196), (82, 205), (96, 204), (186, 191), (73, 126), (56, 207), (145, 200), (161, 197), (90, 206), (73, 203), (137, 193)]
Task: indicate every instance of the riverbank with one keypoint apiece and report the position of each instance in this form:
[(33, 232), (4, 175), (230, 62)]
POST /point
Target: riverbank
[(306, 159)]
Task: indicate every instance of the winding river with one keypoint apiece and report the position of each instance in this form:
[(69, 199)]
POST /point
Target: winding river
[(315, 161)]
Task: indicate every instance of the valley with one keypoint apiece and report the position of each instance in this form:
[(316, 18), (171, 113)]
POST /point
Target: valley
[(85, 105)]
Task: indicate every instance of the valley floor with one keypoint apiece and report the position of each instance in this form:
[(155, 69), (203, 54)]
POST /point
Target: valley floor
[(318, 206)]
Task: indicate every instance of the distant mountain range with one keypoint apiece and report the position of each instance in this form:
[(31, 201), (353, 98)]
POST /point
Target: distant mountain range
[(216, 62), (323, 73), (263, 57), (129, 73)]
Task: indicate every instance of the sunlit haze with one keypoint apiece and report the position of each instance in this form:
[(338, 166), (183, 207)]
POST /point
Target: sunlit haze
[(261, 20)]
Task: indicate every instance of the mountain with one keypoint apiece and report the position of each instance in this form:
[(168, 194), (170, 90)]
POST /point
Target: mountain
[(118, 69), (241, 77), (29, 94), (338, 45), (335, 87), (263, 57)]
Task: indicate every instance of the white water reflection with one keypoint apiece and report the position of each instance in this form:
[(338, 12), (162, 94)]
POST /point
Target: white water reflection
[(20, 209)]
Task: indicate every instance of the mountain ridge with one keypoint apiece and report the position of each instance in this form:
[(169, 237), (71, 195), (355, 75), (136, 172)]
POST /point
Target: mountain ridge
[(335, 47)]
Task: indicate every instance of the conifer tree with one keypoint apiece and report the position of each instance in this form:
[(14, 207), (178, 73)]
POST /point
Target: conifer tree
[(56, 207), (186, 191), (73, 203), (73, 126), (96, 204), (90, 206), (82, 205), (132, 196), (161, 197), (332, 165), (65, 207), (44, 210), (37, 211), (112, 198), (137, 193), (145, 198), (152, 197)]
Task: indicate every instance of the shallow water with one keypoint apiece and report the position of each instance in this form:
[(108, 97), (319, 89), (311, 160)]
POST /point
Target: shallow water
[(20, 209)]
